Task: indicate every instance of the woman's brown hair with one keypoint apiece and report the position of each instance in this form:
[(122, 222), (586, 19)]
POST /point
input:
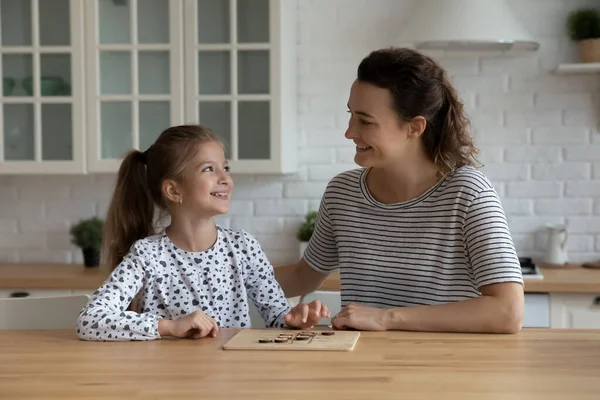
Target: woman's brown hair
[(420, 87), (138, 189)]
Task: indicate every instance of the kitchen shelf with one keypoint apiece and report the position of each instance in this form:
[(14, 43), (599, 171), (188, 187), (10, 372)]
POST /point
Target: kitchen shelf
[(578, 68)]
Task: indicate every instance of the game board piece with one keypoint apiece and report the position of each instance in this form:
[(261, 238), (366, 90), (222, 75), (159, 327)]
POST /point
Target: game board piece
[(328, 333), (281, 340), (302, 337), (265, 340)]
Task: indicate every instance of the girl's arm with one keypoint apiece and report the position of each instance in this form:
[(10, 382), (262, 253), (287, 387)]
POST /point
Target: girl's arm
[(263, 289), (105, 316)]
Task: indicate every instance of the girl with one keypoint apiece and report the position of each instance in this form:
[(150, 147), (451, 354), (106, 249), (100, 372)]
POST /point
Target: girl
[(194, 277), (419, 235)]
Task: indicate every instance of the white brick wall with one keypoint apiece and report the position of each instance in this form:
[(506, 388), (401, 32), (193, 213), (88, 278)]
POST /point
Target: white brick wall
[(537, 133)]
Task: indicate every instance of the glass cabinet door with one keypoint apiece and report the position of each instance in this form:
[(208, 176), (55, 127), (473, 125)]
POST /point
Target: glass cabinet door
[(41, 115), (135, 86), (231, 56)]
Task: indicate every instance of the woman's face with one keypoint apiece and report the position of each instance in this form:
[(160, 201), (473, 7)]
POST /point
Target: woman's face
[(381, 137)]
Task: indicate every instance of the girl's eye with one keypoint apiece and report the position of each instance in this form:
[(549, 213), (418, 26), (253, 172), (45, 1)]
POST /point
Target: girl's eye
[(364, 122), (207, 169), (227, 169)]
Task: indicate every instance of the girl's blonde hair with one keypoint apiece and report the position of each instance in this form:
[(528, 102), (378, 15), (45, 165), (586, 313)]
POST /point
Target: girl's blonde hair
[(138, 190)]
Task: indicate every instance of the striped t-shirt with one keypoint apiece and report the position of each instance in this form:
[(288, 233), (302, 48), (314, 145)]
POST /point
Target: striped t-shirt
[(440, 247)]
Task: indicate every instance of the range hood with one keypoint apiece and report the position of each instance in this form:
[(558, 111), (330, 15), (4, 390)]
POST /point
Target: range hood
[(482, 25)]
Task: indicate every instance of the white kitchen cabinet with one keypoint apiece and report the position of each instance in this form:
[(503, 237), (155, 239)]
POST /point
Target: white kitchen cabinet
[(41, 108), (134, 80), (240, 79), (147, 65), (8, 293), (575, 311)]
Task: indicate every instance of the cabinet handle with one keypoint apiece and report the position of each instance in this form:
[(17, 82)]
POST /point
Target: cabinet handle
[(597, 301), (19, 294)]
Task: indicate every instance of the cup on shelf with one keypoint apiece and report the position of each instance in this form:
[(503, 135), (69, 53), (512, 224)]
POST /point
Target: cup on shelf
[(8, 85), (49, 86)]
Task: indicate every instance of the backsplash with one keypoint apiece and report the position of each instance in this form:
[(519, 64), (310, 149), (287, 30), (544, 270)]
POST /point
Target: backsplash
[(537, 133)]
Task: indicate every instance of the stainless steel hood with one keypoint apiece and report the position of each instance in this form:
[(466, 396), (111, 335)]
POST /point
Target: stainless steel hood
[(484, 25)]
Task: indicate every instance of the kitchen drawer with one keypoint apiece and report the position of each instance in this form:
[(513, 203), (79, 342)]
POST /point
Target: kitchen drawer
[(575, 311), (7, 293)]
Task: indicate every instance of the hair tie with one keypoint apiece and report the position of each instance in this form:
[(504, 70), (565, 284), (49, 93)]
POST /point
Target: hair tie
[(144, 156)]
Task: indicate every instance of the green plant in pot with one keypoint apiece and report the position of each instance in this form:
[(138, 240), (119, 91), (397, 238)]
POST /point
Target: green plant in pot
[(583, 26), (306, 230), (87, 235)]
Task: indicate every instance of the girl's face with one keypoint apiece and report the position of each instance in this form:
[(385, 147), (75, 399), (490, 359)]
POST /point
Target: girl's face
[(381, 137), (206, 190)]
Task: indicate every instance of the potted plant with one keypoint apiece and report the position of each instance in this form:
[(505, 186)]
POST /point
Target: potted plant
[(306, 230), (583, 26), (87, 235)]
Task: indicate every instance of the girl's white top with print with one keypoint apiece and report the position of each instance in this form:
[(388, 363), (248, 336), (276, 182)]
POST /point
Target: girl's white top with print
[(162, 281), (440, 247)]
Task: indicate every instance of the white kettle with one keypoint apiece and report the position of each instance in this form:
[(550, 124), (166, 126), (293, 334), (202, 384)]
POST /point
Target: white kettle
[(556, 251)]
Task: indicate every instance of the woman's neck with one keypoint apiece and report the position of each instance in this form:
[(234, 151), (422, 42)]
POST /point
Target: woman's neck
[(192, 235), (402, 182)]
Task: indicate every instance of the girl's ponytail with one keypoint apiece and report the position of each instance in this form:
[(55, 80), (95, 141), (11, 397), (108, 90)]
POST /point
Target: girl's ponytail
[(131, 212)]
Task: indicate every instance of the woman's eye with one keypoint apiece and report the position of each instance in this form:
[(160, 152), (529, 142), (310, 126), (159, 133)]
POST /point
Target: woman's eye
[(207, 169), (227, 169), (362, 121)]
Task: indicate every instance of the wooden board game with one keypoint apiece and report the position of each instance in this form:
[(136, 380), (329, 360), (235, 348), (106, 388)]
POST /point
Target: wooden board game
[(281, 339)]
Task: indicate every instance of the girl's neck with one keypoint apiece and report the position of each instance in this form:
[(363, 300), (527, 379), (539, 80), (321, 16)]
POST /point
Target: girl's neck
[(192, 235), (400, 183)]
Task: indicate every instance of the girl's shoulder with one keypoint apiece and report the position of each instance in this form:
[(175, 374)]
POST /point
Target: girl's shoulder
[(148, 246), (235, 236)]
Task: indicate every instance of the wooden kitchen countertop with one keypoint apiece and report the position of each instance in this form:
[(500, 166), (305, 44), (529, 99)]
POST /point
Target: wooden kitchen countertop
[(51, 276), (556, 280), (533, 364), (77, 277)]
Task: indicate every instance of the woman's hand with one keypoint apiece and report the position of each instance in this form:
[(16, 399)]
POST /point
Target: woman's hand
[(306, 315), (359, 317), (195, 326)]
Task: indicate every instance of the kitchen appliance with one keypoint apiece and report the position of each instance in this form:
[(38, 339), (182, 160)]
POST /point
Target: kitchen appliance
[(529, 269), (480, 25)]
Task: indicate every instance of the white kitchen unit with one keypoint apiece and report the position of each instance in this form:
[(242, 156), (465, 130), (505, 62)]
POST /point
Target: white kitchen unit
[(147, 65), (575, 311), (41, 108), (8, 293)]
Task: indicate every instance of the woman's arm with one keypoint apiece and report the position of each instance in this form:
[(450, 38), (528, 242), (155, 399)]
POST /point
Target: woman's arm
[(299, 279), (498, 310)]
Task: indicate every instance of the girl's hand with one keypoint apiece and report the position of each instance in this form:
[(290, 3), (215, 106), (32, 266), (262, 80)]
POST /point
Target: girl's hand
[(195, 326), (306, 315), (361, 318)]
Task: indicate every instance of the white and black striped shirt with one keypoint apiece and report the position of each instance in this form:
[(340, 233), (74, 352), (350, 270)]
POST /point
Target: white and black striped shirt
[(440, 247)]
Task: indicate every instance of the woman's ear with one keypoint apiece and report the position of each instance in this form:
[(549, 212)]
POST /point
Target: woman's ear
[(171, 191), (417, 127)]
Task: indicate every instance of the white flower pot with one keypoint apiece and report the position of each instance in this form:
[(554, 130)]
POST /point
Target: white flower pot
[(303, 246)]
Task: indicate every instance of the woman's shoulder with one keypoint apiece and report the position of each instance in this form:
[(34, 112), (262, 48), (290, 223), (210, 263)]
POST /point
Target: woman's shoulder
[(347, 180), (468, 178)]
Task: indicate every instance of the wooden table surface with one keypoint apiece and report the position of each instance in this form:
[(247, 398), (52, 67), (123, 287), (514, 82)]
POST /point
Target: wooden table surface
[(533, 364)]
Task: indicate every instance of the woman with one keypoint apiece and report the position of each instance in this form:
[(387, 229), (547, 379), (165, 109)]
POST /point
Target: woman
[(419, 235)]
